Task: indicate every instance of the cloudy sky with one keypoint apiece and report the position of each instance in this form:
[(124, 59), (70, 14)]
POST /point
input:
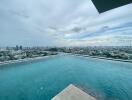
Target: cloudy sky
[(63, 23)]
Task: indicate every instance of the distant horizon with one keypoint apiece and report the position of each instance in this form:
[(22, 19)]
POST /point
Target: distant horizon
[(61, 46)]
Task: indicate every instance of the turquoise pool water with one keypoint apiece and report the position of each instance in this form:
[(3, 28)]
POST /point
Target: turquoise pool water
[(42, 80)]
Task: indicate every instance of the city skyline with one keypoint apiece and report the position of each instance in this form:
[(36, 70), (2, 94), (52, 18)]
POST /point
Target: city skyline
[(63, 23)]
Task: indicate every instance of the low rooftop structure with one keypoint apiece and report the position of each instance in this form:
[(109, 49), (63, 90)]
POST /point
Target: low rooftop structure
[(73, 93)]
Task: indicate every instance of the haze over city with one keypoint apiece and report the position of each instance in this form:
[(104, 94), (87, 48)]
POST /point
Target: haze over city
[(63, 23)]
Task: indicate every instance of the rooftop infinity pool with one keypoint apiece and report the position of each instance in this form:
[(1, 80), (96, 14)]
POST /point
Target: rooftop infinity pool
[(43, 79)]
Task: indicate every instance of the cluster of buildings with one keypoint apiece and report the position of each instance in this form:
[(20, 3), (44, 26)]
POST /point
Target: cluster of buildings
[(116, 52), (19, 52)]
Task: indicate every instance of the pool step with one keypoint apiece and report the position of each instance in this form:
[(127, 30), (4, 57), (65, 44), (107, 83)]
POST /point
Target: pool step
[(73, 93)]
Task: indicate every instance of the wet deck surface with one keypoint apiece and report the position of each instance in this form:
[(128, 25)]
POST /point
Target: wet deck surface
[(73, 93)]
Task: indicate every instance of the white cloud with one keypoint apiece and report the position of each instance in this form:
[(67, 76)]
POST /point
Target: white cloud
[(58, 21)]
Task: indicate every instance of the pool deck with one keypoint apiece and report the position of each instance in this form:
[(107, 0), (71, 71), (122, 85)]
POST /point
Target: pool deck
[(73, 93)]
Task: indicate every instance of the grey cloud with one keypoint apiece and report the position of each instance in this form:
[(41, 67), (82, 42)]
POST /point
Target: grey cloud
[(57, 21)]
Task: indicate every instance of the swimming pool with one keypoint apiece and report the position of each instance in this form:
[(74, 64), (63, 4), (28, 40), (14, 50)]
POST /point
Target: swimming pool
[(42, 80)]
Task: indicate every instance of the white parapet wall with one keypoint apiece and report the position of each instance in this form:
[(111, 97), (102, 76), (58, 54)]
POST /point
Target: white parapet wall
[(73, 93)]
